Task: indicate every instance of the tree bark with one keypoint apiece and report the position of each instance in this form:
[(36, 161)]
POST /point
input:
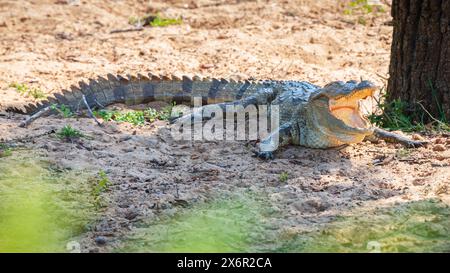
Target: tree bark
[(420, 56)]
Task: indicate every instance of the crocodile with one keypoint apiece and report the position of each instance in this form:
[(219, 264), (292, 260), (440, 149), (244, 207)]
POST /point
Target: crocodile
[(309, 115)]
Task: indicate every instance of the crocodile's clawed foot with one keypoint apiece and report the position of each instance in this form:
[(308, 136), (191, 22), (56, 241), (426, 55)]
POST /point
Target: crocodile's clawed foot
[(264, 155), (415, 144)]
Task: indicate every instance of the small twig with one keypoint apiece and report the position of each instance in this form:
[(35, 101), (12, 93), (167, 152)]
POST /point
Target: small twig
[(90, 111), (12, 142), (431, 116), (126, 30), (99, 104), (341, 147), (381, 76), (35, 116)]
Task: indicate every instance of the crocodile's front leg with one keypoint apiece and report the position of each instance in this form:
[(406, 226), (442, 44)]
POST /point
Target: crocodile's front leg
[(279, 137), (262, 97)]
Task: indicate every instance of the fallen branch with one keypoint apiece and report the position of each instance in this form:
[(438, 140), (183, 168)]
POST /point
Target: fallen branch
[(35, 116), (12, 143), (90, 111), (382, 76), (126, 30)]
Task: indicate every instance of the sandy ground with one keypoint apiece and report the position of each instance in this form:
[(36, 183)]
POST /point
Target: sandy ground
[(53, 44)]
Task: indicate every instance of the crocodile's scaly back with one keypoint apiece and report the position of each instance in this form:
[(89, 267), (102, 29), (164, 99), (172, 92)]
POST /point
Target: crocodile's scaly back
[(138, 89)]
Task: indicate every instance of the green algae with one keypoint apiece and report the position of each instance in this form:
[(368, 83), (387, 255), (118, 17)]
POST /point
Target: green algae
[(227, 224), (242, 224), (420, 226), (41, 209)]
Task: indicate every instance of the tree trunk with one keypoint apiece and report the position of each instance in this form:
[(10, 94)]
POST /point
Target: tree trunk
[(420, 56)]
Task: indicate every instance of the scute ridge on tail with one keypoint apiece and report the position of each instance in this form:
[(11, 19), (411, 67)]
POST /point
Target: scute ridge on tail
[(142, 88)]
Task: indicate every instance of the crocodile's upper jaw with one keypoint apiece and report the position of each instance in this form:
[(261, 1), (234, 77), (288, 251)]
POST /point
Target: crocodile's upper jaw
[(335, 114)]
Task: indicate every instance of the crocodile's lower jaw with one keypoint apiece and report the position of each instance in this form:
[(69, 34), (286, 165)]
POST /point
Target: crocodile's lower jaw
[(351, 116)]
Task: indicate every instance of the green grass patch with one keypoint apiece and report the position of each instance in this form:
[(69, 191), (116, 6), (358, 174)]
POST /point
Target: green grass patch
[(229, 223), (154, 21), (133, 117), (20, 88), (37, 94), (245, 223), (419, 226), (398, 115), (69, 133), (24, 90), (138, 117), (438, 104), (363, 7), (100, 184), (63, 110), (284, 176), (41, 210), (163, 22), (5, 150)]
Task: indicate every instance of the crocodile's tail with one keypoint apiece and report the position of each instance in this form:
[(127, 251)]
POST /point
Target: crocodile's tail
[(138, 89)]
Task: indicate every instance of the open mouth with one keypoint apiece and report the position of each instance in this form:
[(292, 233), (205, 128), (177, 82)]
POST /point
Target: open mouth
[(347, 108)]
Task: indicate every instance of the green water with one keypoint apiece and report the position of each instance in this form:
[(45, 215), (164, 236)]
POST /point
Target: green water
[(40, 210), (224, 225), (240, 224), (422, 226)]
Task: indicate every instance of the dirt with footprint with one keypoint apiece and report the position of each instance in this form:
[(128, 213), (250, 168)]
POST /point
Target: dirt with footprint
[(53, 44)]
